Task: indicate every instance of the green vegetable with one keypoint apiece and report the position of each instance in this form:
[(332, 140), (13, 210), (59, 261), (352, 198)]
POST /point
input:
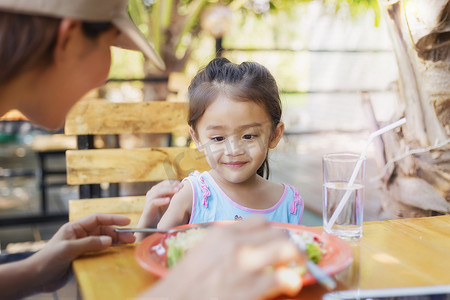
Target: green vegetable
[(174, 254), (179, 244), (314, 252)]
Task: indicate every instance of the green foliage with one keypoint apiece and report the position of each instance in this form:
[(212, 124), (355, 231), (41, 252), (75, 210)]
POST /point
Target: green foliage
[(139, 14), (157, 19), (126, 64), (357, 7)]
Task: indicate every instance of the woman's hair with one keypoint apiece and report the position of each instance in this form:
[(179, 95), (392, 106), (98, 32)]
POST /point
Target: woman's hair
[(27, 42), (248, 81)]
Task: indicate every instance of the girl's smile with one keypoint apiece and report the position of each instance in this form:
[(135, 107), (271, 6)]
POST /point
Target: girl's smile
[(235, 165)]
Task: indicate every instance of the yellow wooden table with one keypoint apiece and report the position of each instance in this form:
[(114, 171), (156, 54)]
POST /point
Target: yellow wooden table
[(395, 253)]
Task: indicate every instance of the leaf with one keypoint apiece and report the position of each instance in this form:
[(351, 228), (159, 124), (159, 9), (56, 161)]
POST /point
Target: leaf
[(194, 10), (138, 12)]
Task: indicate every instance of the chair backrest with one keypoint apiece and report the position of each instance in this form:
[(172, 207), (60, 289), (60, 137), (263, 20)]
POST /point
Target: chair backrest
[(178, 85), (97, 117)]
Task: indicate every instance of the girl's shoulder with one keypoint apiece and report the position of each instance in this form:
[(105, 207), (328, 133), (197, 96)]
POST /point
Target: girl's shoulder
[(197, 175), (183, 198), (294, 192), (290, 187), (199, 180), (286, 190), (274, 186)]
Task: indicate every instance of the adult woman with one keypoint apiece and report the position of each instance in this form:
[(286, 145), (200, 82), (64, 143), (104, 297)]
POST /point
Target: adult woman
[(52, 52)]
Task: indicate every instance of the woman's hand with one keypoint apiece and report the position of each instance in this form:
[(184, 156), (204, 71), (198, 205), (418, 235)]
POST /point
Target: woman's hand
[(232, 263), (156, 202), (89, 234), (48, 269)]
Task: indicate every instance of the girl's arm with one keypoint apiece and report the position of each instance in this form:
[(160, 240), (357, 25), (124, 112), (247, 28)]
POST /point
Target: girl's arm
[(179, 210), (156, 202)]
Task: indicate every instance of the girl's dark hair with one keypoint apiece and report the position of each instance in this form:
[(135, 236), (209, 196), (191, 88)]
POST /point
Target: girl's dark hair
[(27, 41), (248, 81)]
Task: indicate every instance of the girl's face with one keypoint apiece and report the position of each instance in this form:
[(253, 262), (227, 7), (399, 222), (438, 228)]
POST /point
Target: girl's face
[(235, 137)]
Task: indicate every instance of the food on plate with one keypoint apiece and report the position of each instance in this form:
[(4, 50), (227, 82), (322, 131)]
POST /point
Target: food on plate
[(179, 244), (314, 247)]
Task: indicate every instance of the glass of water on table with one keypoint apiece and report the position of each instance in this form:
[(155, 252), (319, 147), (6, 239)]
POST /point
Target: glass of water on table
[(343, 194)]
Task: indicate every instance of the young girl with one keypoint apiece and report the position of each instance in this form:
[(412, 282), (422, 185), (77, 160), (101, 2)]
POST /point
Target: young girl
[(234, 118)]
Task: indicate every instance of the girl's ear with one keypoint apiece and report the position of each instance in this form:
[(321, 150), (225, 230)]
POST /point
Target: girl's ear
[(278, 133), (195, 138)]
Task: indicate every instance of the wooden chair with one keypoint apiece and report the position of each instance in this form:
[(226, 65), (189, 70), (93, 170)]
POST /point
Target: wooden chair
[(48, 147), (88, 166), (178, 85)]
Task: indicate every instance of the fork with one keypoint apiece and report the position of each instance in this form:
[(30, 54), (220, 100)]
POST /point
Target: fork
[(146, 230), (323, 278), (156, 230)]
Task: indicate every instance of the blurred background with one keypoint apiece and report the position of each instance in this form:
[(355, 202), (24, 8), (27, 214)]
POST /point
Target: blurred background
[(333, 62), (337, 65)]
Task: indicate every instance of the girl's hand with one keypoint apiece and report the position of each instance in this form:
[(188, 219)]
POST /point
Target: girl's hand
[(232, 262), (156, 202)]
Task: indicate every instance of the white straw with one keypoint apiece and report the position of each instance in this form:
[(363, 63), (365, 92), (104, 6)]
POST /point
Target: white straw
[(346, 196)]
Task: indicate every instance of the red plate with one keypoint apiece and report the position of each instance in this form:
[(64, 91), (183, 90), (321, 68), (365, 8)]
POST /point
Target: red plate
[(151, 252)]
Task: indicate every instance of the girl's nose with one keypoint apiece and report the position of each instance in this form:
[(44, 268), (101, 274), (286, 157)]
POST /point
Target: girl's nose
[(234, 147)]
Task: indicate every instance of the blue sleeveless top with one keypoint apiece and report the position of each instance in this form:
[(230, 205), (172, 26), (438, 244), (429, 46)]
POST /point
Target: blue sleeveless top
[(210, 203)]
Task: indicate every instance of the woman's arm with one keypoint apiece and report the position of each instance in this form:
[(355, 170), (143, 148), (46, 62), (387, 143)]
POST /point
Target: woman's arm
[(48, 269), (16, 279)]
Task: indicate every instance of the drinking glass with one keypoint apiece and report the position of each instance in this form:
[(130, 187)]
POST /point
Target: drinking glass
[(338, 168)]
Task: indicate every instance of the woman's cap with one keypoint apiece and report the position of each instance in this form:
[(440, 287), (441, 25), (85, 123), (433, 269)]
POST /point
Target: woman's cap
[(114, 11)]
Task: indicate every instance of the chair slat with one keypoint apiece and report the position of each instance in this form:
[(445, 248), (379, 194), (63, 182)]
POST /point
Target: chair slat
[(132, 165), (129, 206), (102, 117)]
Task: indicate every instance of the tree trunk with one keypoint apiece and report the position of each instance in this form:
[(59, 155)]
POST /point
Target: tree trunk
[(169, 30), (417, 178)]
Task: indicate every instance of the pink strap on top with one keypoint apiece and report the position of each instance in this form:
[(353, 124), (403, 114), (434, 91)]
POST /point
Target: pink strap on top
[(297, 201), (205, 191)]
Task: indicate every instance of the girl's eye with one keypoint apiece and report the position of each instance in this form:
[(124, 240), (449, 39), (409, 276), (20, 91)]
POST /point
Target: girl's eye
[(249, 136), (218, 139)]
